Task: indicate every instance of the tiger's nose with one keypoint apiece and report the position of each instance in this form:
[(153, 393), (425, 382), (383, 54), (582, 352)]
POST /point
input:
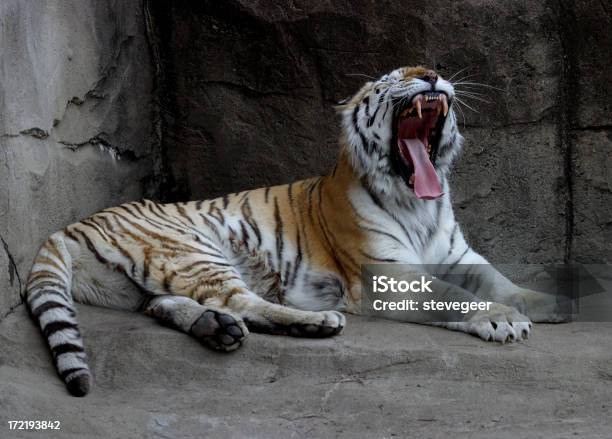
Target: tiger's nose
[(430, 76)]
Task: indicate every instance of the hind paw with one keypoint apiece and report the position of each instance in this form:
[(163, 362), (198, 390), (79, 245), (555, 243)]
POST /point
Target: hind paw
[(219, 330), (331, 323)]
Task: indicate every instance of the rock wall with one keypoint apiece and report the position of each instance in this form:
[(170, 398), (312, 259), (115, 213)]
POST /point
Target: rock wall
[(76, 120), (588, 41), (249, 88), (246, 93)]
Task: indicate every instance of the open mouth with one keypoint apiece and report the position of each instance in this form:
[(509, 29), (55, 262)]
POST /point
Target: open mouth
[(417, 129)]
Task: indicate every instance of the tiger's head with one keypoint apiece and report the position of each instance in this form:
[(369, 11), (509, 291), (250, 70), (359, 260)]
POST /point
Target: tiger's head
[(400, 133)]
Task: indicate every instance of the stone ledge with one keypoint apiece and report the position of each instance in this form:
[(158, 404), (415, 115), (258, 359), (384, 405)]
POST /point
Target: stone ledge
[(378, 379)]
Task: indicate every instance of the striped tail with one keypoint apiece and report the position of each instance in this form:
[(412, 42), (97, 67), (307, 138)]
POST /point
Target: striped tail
[(50, 303)]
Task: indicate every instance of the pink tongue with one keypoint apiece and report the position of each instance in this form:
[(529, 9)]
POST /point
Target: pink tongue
[(426, 183)]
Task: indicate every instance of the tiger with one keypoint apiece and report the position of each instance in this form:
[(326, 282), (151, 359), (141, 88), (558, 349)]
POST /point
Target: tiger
[(285, 259)]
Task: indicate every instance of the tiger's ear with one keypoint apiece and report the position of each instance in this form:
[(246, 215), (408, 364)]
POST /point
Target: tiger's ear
[(343, 101), (353, 99), (341, 104)]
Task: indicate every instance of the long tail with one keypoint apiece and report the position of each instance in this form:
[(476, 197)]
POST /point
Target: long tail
[(50, 303)]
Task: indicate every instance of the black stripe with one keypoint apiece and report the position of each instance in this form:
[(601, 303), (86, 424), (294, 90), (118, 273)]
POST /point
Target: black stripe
[(380, 232), (279, 233), (311, 189), (70, 235), (115, 244), (215, 266), (156, 224), (372, 195), (216, 213), (244, 195), (332, 248), (374, 258), (379, 203), (92, 248), (366, 145), (94, 225), (211, 225), (212, 264), (373, 117), (160, 238), (452, 240), (145, 264), (218, 271), (59, 325), (374, 230), (199, 237), (245, 233), (65, 348), (177, 244), (431, 231), (454, 264), (123, 251), (247, 213), (287, 271), (195, 264), (47, 306), (33, 297), (143, 215), (298, 258), (386, 108), (336, 248), (266, 194), (46, 284), (167, 221), (355, 115), (175, 221), (43, 274)]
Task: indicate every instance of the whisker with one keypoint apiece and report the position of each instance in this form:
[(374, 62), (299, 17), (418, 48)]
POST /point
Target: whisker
[(462, 113), (466, 77), (360, 74), (477, 84), (471, 94), (458, 72), (469, 90), (470, 87), (466, 105), (473, 97)]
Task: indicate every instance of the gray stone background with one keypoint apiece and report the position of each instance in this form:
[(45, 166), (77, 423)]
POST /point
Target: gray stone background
[(104, 101)]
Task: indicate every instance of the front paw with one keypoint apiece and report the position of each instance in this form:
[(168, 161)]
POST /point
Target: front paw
[(540, 307), (499, 323)]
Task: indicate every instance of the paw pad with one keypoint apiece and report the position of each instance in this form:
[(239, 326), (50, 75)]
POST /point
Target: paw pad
[(219, 331)]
